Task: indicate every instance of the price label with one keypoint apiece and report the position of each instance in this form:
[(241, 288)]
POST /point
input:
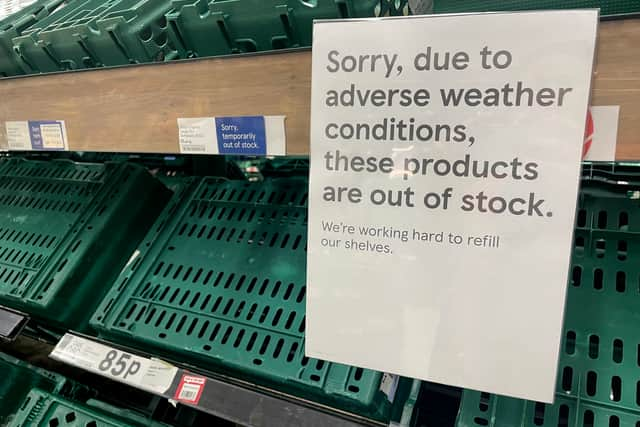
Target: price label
[(152, 375), (190, 389), (120, 364)]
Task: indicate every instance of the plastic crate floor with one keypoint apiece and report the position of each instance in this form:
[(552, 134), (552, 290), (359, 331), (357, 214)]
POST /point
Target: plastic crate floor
[(598, 381), (18, 378), (59, 223), (44, 409), (96, 33), (221, 281)]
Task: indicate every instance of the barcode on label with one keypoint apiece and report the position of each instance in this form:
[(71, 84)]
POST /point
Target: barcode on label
[(189, 392), (190, 389), (186, 148)]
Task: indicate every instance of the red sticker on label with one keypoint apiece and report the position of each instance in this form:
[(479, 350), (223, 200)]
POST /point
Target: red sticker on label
[(588, 134), (190, 389)]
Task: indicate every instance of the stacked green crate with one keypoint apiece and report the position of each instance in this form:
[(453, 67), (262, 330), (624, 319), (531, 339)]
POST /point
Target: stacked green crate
[(220, 283), (13, 26), (17, 379), (607, 7), (598, 375), (218, 27), (30, 396), (95, 33), (41, 408), (66, 231)]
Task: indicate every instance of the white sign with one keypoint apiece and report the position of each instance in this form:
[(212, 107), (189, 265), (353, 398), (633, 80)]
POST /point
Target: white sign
[(152, 375), (601, 135), (445, 161)]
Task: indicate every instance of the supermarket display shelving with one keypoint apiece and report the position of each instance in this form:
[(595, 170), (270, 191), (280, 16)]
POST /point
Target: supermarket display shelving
[(117, 100), (245, 403), (67, 228), (103, 109), (220, 283), (229, 397), (76, 397), (599, 355)]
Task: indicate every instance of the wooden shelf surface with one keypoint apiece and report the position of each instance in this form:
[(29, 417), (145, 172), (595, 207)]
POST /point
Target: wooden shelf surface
[(135, 109)]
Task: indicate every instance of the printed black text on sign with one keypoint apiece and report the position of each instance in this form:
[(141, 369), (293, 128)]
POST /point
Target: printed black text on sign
[(123, 367)]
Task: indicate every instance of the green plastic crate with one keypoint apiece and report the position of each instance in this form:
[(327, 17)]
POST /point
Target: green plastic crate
[(607, 7), (18, 378), (13, 26), (218, 27), (66, 231), (220, 283), (44, 409), (599, 369), (95, 33)]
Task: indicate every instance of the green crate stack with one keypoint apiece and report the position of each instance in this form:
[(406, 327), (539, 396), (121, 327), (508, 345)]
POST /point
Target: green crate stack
[(607, 7), (31, 396), (66, 231), (598, 383), (13, 25), (42, 408), (220, 284), (218, 27), (95, 33), (18, 378)]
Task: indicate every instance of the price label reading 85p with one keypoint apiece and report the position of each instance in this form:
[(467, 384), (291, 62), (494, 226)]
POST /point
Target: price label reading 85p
[(149, 374), (120, 364)]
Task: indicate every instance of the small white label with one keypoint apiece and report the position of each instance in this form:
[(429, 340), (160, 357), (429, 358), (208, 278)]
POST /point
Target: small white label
[(276, 135), (18, 136), (36, 135), (152, 375), (604, 134), (197, 136), (389, 385), (249, 135), (190, 389), (52, 136)]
